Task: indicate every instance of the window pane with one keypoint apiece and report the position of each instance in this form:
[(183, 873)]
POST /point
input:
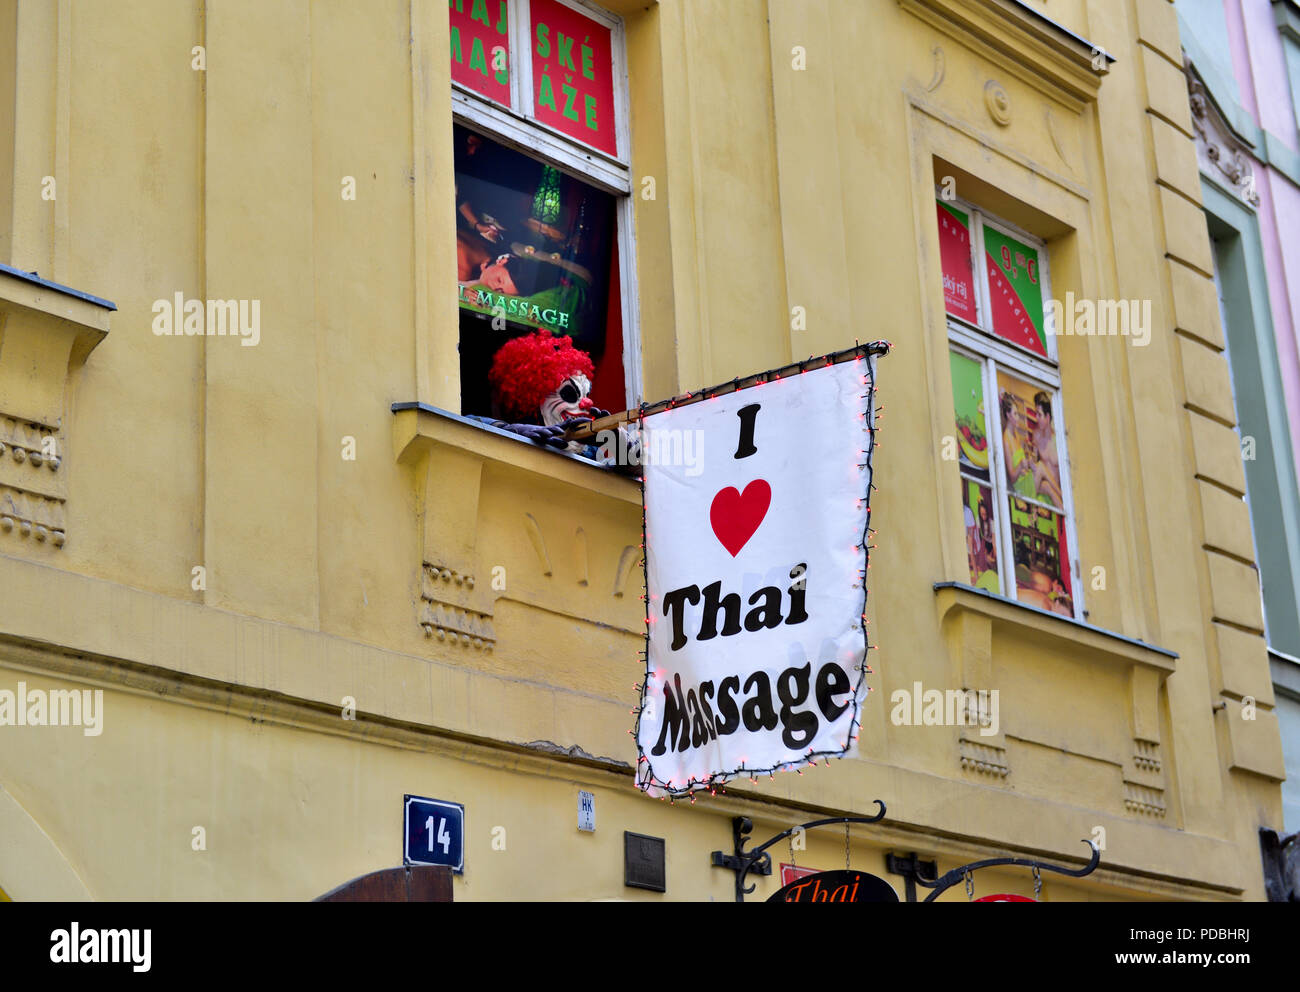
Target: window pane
[(532, 241), (535, 250), (981, 535), (1029, 453), (968, 403), (1015, 294), (1042, 557), (955, 258), (573, 74), (478, 27)]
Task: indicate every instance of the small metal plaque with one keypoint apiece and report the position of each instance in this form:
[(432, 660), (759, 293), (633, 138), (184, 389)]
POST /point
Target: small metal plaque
[(586, 811), (643, 862)]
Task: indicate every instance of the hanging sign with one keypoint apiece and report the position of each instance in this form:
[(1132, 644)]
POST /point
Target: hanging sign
[(1003, 897), (756, 524), (837, 886), (480, 47), (573, 74)]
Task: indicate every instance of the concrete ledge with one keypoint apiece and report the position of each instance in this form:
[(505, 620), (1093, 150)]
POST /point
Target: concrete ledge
[(956, 597), (418, 427)]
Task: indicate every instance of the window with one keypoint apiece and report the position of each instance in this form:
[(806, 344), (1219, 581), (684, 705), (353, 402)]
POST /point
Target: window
[(1015, 490), (543, 213)]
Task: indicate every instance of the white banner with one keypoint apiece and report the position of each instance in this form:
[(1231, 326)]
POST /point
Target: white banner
[(756, 523)]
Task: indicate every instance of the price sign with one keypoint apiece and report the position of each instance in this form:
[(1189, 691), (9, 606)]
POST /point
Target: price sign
[(434, 833)]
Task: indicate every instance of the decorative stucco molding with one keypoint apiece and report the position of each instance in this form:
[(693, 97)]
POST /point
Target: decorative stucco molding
[(444, 614), (983, 759), (997, 102), (1144, 800), (1221, 154), (46, 333), (1026, 43)]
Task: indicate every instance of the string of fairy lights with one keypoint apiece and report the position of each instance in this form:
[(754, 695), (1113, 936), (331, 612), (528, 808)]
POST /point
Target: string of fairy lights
[(873, 416)]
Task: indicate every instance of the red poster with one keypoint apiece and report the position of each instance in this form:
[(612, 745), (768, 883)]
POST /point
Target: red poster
[(792, 873), (573, 74), (954, 255), (480, 47)]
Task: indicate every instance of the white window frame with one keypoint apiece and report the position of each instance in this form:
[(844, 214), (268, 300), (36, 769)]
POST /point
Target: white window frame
[(517, 129), (976, 341)]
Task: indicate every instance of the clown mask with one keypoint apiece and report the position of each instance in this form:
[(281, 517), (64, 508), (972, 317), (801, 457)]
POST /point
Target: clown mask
[(570, 400)]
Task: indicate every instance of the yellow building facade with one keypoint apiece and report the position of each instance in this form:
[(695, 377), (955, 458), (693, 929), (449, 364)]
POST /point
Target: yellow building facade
[(307, 588)]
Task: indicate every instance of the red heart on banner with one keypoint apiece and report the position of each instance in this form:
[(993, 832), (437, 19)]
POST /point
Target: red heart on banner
[(736, 515)]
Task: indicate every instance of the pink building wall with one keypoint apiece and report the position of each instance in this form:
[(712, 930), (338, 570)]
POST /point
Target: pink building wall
[(1259, 66)]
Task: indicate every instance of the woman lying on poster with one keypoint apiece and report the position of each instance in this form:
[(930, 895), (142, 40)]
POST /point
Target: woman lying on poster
[(527, 287), (1046, 593)]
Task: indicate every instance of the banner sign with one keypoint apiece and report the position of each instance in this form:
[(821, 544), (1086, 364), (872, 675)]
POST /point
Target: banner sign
[(480, 47), (756, 563), (573, 74), (836, 886)]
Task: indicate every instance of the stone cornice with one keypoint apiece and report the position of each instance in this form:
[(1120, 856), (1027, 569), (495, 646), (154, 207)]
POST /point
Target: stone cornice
[(1021, 40)]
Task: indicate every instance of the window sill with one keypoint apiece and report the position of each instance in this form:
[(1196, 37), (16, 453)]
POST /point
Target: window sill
[(418, 427), (957, 597)]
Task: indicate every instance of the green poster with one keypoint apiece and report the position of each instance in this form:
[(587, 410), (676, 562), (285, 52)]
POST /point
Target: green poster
[(968, 403)]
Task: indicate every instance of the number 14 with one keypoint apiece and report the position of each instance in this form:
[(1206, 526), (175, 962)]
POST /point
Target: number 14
[(444, 838)]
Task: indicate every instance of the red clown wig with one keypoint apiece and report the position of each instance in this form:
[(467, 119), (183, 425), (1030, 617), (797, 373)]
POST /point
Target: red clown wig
[(528, 369)]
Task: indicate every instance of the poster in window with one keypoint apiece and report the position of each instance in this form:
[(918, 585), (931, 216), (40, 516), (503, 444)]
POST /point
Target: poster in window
[(1030, 458), (480, 47), (968, 405), (573, 74), (1015, 291), (981, 535), (756, 647), (955, 258), (1042, 557), (533, 244)]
